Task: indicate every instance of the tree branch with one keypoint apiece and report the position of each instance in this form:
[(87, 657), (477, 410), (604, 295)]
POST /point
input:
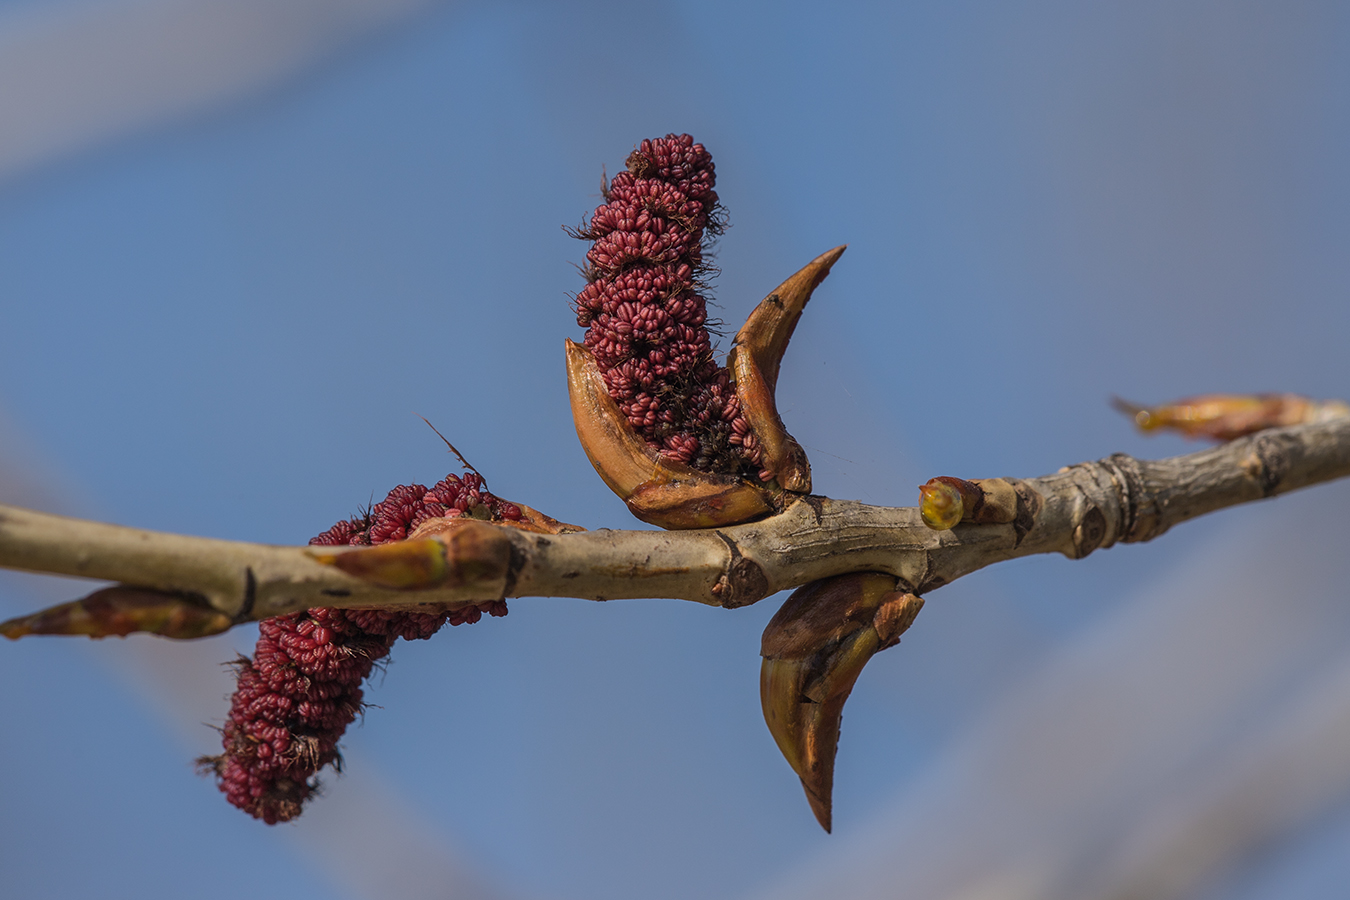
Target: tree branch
[(1074, 511)]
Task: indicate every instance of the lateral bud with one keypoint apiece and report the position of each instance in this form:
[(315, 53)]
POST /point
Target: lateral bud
[(814, 649), (122, 610), (944, 501), (658, 491)]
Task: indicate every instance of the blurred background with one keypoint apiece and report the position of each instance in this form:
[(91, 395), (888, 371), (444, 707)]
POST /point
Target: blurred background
[(245, 243)]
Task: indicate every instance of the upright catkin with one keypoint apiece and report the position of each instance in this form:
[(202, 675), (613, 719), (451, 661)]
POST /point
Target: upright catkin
[(645, 317)]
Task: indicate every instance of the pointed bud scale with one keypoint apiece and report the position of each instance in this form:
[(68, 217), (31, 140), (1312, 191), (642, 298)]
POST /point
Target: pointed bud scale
[(1223, 417), (814, 649), (754, 362), (770, 325)]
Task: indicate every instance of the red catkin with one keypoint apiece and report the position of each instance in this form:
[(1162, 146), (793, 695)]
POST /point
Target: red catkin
[(302, 688), (645, 318)]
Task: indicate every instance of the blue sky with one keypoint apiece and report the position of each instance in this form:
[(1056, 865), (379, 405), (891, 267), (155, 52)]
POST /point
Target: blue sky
[(227, 323)]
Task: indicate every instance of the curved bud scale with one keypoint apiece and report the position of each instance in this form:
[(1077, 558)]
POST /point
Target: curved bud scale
[(754, 362), (782, 458), (657, 490), (623, 460), (814, 649)]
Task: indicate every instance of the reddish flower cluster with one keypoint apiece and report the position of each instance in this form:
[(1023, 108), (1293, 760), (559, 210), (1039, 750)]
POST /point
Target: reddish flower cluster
[(409, 505), (302, 688), (645, 318)]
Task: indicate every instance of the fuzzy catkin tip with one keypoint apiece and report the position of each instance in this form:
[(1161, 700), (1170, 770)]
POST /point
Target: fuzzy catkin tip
[(646, 320), (302, 688)]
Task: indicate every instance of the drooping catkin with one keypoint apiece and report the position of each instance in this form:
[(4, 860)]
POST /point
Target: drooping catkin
[(302, 687)]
